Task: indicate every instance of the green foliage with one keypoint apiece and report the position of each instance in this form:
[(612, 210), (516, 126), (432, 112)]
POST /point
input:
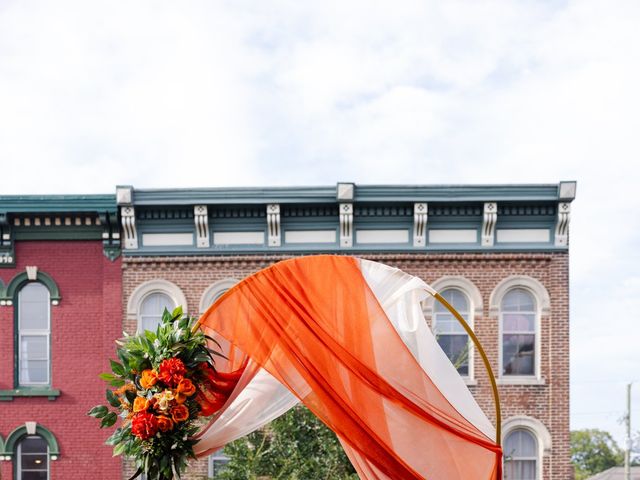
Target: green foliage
[(163, 455), (295, 446), (593, 451)]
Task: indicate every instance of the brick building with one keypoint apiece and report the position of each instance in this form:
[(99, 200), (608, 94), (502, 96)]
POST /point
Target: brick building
[(498, 253), (60, 304)]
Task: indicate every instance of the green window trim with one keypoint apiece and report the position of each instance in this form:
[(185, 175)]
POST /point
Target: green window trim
[(8, 395), (17, 434), (10, 294), (2, 293)]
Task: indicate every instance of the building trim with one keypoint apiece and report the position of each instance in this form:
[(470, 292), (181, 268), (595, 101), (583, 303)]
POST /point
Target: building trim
[(154, 286), (214, 291), (9, 297), (18, 433)]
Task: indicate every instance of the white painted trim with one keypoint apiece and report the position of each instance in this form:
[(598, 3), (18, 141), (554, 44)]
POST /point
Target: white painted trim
[(523, 235), (453, 236), (310, 236), (382, 236), (540, 293), (166, 239), (238, 238), (145, 289), (542, 307), (213, 292), (537, 429)]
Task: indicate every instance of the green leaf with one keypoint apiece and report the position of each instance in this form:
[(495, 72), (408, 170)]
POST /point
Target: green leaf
[(117, 368), (98, 412), (107, 377), (113, 400), (177, 312), (119, 449), (117, 382), (109, 420)]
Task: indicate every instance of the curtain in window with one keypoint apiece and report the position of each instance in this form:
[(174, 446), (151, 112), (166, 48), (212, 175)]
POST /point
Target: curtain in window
[(520, 449), (348, 339), (34, 331)]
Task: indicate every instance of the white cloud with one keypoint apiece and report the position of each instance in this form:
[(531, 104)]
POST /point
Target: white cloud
[(160, 94)]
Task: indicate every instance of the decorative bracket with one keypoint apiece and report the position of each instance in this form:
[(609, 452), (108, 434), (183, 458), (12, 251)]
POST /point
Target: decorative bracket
[(489, 223), (420, 217), (201, 218), (129, 227), (346, 224), (273, 224), (110, 235), (7, 252), (562, 225)]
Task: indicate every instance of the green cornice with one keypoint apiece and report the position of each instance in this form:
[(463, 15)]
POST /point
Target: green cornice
[(363, 193), (57, 203)]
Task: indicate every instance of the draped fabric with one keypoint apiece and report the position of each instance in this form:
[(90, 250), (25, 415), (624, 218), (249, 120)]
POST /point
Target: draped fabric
[(347, 338)]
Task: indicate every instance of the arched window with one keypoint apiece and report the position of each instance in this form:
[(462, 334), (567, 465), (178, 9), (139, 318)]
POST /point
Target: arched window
[(521, 455), (451, 336), (32, 458), (147, 302), (519, 325), (215, 291), (34, 330), (151, 309)]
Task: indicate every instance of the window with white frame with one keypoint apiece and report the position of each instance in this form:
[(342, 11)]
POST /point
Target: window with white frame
[(451, 336), (151, 309), (518, 320), (521, 455), (217, 462), (34, 331), (32, 458)]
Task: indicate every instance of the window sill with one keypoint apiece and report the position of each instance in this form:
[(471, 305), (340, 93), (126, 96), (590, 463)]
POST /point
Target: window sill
[(8, 395), (520, 381), (470, 382)]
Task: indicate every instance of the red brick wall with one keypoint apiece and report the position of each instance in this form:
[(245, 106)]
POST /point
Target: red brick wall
[(83, 327), (549, 403)]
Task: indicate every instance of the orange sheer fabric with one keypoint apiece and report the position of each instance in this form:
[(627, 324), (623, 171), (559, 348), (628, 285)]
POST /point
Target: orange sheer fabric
[(315, 325)]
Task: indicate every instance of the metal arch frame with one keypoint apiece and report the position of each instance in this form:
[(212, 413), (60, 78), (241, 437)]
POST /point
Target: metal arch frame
[(485, 360)]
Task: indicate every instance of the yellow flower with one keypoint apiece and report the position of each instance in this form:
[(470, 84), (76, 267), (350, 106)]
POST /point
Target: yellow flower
[(148, 379)]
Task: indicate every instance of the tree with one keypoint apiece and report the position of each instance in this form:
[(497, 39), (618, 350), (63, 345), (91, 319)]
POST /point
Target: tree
[(593, 451), (295, 446)]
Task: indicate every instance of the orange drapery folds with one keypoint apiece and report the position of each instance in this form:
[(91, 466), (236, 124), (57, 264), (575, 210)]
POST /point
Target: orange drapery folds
[(315, 325)]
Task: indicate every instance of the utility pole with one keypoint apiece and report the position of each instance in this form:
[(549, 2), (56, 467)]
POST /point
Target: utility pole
[(627, 451)]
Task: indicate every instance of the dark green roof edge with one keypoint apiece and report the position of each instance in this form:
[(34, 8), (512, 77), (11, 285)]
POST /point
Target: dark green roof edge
[(363, 193), (57, 203)]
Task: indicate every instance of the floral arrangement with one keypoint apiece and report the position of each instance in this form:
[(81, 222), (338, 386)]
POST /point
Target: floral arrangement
[(165, 385)]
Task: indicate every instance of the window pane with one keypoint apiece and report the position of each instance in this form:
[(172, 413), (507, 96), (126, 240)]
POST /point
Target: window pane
[(33, 307), (518, 354), (33, 444), (456, 298), (447, 323), (34, 371), (518, 322), (456, 348), (217, 462), (520, 443), (152, 308), (518, 300), (34, 461), (34, 347), (35, 475), (520, 470)]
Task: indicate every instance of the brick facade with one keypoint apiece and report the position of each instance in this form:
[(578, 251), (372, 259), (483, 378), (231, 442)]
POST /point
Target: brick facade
[(547, 402), (83, 328)]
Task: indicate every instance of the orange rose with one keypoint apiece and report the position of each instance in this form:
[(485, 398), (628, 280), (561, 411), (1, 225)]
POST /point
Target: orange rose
[(140, 404), (165, 423), (148, 379), (179, 413), (186, 387)]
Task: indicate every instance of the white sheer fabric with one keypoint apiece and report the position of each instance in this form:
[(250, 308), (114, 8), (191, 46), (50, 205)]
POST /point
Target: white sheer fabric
[(260, 398)]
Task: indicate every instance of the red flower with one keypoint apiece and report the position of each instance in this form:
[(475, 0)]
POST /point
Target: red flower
[(144, 425), (171, 371)]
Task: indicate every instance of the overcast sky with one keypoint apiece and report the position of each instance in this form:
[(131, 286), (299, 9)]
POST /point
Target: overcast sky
[(203, 94)]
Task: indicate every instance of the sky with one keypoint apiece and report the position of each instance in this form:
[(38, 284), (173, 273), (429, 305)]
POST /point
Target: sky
[(213, 93)]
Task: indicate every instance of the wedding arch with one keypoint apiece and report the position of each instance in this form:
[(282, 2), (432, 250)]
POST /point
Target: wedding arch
[(347, 338)]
